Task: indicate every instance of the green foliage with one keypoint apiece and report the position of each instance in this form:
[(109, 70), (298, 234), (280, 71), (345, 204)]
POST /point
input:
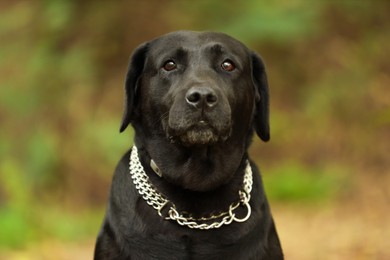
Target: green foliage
[(293, 182), (32, 224), (16, 229), (70, 226), (254, 20), (14, 222), (104, 137), (260, 20)]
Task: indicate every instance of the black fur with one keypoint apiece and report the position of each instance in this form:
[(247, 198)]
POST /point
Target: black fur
[(201, 150)]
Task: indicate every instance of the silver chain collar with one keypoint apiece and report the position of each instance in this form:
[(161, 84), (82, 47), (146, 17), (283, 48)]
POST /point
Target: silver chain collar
[(158, 201)]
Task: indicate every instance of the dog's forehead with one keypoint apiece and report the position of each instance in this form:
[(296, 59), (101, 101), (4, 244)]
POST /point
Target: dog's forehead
[(190, 41)]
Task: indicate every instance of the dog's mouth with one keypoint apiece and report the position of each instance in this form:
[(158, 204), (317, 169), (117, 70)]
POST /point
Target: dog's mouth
[(199, 133)]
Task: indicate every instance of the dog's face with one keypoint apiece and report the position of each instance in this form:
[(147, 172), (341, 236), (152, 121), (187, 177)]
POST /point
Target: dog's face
[(195, 85), (197, 88)]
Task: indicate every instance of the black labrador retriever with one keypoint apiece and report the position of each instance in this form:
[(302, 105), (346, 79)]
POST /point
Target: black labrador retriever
[(187, 189)]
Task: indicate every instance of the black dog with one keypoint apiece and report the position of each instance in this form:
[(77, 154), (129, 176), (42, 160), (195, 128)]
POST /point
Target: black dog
[(194, 100)]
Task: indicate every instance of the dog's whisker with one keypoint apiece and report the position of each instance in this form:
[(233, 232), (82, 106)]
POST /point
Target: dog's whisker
[(159, 120)]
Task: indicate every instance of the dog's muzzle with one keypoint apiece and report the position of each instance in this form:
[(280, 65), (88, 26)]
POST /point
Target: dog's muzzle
[(202, 117)]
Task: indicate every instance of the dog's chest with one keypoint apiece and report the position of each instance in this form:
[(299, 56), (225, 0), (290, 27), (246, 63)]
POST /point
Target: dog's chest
[(192, 245)]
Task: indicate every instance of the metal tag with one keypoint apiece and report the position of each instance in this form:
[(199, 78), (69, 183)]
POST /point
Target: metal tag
[(155, 168)]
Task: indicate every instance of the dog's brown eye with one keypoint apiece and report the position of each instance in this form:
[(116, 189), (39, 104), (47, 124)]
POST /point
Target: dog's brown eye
[(169, 65), (228, 65)]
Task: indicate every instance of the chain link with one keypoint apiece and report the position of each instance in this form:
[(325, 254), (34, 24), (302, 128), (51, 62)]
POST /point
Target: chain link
[(158, 201)]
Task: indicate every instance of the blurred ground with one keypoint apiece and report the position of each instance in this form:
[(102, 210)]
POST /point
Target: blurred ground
[(353, 228)]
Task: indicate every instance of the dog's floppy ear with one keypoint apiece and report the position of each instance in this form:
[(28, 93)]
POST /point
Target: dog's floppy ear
[(134, 72), (261, 116)]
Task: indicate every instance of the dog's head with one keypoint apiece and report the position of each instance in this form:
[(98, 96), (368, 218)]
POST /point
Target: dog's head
[(197, 89)]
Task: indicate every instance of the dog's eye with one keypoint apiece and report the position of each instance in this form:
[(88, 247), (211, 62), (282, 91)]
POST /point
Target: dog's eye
[(228, 65), (169, 65)]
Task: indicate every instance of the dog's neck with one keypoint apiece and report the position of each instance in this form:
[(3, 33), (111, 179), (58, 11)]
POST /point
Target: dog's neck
[(194, 200), (214, 218), (200, 168)]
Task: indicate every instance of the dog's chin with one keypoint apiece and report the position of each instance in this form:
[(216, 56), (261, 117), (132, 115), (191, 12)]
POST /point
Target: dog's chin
[(199, 136)]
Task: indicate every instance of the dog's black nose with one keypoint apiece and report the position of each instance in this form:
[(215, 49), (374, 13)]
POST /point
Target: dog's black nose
[(200, 97)]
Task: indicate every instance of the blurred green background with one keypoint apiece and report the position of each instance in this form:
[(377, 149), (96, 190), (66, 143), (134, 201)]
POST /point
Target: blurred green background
[(326, 168)]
